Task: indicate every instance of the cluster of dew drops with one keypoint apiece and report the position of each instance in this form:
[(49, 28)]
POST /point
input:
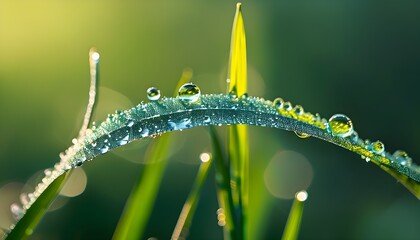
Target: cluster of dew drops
[(338, 125)]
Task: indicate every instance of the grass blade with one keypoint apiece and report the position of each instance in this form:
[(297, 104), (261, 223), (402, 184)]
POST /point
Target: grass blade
[(224, 193), (185, 218), (291, 230), (26, 225), (238, 134), (141, 200)]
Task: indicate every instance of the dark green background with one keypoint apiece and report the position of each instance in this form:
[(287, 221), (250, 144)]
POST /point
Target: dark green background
[(360, 58)]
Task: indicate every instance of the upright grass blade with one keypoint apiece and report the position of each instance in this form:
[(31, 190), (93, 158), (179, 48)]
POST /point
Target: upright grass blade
[(141, 200), (238, 134), (26, 225), (224, 193), (185, 218), (291, 230)]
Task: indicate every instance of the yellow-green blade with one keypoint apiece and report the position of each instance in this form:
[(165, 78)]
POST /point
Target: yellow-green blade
[(291, 230), (238, 134), (141, 200), (237, 76)]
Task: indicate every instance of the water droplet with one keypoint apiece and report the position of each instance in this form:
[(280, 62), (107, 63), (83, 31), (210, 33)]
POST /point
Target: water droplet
[(189, 92), (207, 119), (377, 147), (153, 94), (122, 137), (403, 158), (47, 172), (278, 103), (354, 137), (24, 198), (287, 106), (298, 110), (130, 123), (340, 125), (302, 135), (17, 211)]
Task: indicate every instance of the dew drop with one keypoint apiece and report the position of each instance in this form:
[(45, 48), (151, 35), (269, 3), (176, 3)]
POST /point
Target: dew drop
[(130, 123), (153, 94), (403, 158), (377, 147), (189, 92), (298, 110), (17, 211), (287, 106), (207, 119), (302, 135), (278, 103), (24, 198), (354, 137), (340, 125)]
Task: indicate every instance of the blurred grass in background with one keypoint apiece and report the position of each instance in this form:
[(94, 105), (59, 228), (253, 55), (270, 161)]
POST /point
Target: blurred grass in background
[(354, 57)]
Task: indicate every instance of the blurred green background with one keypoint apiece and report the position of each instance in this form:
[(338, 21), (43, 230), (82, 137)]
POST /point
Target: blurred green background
[(360, 58)]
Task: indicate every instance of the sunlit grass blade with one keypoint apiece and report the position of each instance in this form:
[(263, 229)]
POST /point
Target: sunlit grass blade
[(237, 76), (26, 225), (224, 194), (238, 134), (141, 200), (291, 230), (185, 218)]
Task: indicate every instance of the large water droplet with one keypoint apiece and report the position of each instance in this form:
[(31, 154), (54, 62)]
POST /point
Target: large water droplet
[(153, 94), (377, 147), (340, 125), (189, 92), (403, 158)]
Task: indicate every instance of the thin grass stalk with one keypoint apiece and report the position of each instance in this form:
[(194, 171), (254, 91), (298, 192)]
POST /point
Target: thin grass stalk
[(224, 194), (185, 218), (140, 203), (291, 230)]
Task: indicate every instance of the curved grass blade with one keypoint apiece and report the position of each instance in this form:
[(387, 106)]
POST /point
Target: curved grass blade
[(291, 230), (185, 218), (140, 203), (169, 114), (26, 225), (238, 134)]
